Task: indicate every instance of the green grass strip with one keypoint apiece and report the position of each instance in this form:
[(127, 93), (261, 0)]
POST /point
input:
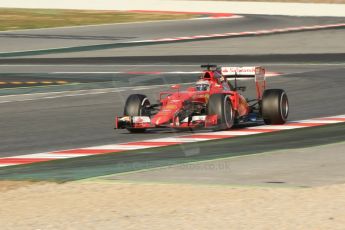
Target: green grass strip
[(15, 19)]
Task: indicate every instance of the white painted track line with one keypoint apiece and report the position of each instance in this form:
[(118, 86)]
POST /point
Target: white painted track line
[(277, 127), (119, 147)]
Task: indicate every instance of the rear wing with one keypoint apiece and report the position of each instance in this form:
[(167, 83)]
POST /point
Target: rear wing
[(256, 72)]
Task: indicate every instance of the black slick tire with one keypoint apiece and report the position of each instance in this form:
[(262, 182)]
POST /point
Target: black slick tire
[(275, 106), (220, 105), (135, 106)]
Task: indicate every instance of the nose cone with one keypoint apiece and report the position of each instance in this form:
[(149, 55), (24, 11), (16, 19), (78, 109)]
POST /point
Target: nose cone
[(160, 120)]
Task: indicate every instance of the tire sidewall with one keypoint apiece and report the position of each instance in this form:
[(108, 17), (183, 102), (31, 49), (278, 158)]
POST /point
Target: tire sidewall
[(275, 106), (228, 112), (220, 105), (134, 107)]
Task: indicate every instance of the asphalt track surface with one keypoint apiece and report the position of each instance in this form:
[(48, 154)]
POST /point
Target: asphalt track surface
[(34, 123), (312, 166), (240, 47), (96, 35), (48, 124), (115, 163)]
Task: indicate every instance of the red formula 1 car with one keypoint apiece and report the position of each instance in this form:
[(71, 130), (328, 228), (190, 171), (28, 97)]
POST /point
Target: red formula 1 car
[(213, 102)]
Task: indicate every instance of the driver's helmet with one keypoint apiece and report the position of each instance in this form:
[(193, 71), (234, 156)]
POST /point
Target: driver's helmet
[(202, 85)]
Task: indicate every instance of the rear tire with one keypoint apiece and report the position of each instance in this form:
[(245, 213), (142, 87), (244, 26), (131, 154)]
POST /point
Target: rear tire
[(220, 105), (275, 106), (135, 106)]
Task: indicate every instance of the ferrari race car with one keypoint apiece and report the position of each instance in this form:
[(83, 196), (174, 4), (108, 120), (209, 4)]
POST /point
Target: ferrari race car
[(213, 103)]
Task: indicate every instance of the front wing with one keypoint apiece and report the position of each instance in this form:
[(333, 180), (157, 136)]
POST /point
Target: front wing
[(144, 122)]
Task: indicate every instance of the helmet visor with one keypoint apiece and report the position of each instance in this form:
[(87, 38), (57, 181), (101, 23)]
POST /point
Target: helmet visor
[(202, 87)]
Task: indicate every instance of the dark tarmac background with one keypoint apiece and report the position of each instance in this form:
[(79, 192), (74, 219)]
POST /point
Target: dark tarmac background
[(35, 119)]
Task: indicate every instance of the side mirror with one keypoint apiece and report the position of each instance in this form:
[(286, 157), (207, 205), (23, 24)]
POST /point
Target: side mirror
[(177, 86)]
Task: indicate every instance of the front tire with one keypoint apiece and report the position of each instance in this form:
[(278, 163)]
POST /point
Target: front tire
[(275, 106), (136, 106), (220, 105)]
